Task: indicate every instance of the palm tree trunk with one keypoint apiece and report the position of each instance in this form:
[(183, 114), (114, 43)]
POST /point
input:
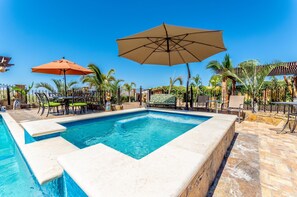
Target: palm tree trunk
[(129, 96), (196, 100), (224, 90), (233, 86)]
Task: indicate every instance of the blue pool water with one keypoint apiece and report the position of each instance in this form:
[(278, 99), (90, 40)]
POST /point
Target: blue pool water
[(15, 177), (134, 134)]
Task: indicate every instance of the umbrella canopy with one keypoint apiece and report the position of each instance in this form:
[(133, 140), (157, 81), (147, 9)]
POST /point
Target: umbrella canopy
[(62, 67), (170, 45)]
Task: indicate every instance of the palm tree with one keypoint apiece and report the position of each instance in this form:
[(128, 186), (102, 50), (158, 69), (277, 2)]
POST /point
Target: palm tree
[(108, 78), (225, 70), (215, 85), (173, 80), (252, 77), (59, 86), (99, 80), (95, 79), (196, 82), (128, 87)]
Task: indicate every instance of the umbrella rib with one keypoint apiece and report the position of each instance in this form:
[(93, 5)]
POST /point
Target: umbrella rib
[(179, 41), (210, 45), (167, 38), (188, 51), (122, 39), (138, 47), (202, 32), (135, 38), (152, 52), (155, 43), (181, 56)]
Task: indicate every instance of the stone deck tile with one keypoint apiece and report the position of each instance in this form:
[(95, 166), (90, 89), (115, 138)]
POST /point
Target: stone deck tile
[(275, 154)]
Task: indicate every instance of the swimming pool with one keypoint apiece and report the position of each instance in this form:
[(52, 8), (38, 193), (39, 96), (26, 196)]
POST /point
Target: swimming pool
[(15, 177), (134, 134)]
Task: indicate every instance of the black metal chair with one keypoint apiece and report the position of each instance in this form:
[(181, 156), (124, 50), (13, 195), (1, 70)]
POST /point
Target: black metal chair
[(39, 101), (46, 104), (78, 101)]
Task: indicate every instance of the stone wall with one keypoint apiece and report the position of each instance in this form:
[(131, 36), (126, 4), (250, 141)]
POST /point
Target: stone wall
[(203, 179)]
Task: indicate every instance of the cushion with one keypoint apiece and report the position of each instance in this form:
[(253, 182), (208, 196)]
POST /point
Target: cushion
[(77, 104), (162, 99)]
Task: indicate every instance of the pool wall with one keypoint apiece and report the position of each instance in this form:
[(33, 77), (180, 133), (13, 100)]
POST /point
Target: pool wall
[(201, 182)]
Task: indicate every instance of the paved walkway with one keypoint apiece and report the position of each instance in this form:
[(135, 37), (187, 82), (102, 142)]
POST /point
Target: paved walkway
[(261, 163), (24, 115)]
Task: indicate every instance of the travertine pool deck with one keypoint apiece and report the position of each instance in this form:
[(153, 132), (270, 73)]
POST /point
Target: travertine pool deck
[(260, 163)]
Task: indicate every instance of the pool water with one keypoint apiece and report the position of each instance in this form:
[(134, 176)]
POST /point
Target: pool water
[(134, 134), (15, 177)]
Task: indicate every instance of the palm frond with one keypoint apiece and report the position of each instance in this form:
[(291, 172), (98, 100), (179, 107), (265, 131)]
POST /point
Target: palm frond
[(46, 86), (215, 66)]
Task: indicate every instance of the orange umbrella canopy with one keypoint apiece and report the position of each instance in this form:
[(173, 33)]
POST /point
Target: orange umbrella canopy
[(61, 67)]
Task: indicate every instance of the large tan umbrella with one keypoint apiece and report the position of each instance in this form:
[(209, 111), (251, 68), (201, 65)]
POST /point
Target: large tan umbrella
[(62, 67), (171, 45)]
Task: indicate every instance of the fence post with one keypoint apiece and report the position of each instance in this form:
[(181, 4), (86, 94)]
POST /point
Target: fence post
[(140, 95), (191, 98), (119, 95), (8, 95), (149, 95)]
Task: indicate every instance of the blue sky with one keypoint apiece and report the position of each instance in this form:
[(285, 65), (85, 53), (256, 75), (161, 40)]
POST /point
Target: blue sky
[(34, 32)]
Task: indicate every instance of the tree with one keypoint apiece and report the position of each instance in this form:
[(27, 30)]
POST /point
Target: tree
[(59, 86), (196, 83), (115, 85), (252, 77), (94, 80), (215, 85), (173, 80), (128, 87), (225, 70), (108, 79), (24, 91)]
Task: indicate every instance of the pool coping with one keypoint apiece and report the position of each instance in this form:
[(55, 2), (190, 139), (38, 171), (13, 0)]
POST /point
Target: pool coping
[(192, 149)]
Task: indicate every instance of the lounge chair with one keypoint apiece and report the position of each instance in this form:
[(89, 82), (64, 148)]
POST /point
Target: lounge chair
[(202, 102), (235, 104)]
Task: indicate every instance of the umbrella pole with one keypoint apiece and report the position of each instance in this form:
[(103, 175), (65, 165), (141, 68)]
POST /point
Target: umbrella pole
[(187, 89), (65, 86)]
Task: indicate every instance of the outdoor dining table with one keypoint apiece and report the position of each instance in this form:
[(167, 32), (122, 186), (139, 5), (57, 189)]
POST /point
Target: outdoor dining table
[(66, 100), (288, 117), (216, 104)]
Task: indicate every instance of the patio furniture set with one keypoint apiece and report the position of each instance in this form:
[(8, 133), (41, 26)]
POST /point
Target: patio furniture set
[(77, 102)]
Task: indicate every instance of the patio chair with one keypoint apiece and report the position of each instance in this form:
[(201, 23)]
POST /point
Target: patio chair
[(78, 102), (46, 104), (235, 104), (39, 101), (202, 102)]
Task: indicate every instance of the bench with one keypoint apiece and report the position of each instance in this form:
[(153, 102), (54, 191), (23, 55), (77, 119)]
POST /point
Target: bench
[(163, 100)]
